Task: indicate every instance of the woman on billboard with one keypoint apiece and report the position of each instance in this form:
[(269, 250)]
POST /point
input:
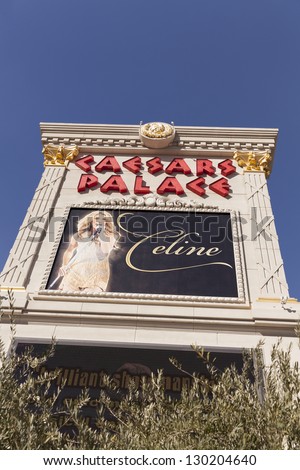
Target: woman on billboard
[(85, 262)]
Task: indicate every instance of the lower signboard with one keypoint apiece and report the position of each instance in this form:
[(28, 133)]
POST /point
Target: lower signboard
[(146, 252), (85, 367)]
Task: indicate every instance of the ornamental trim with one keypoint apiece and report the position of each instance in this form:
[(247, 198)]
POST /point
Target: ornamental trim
[(161, 204)]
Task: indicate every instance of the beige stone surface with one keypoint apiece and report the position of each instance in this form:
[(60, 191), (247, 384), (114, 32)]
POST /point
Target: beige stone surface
[(152, 322)]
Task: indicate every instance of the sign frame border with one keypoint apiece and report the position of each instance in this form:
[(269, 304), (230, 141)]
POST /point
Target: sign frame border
[(160, 204)]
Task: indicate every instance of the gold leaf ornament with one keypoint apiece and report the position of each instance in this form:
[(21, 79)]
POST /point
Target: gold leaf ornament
[(157, 130), (59, 155), (254, 161)]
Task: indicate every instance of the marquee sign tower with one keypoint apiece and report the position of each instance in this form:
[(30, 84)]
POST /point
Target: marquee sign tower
[(143, 240)]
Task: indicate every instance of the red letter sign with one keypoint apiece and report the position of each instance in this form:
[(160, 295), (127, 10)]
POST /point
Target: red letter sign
[(114, 183), (108, 164), (170, 185), (227, 168), (205, 166), (140, 187), (220, 187), (87, 181), (178, 165), (84, 163), (133, 164), (195, 186), (154, 165)]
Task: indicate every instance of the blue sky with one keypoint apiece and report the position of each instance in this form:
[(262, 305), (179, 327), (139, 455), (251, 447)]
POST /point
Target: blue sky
[(196, 62)]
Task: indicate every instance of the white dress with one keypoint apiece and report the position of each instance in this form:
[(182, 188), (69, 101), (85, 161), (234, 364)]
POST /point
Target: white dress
[(88, 269)]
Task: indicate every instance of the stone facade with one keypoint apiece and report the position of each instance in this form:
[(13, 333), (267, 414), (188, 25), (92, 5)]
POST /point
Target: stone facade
[(262, 310)]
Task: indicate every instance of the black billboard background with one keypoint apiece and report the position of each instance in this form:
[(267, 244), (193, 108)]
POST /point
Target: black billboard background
[(85, 366), (146, 272)]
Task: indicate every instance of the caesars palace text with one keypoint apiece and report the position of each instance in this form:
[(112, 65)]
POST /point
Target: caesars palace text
[(117, 183)]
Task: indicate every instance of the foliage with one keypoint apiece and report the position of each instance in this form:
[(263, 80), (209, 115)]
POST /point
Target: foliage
[(247, 409), (228, 411)]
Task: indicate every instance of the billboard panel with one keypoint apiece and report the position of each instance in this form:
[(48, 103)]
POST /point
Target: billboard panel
[(146, 252)]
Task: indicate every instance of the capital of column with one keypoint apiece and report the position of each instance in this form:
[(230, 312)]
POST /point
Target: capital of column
[(254, 161), (59, 155)]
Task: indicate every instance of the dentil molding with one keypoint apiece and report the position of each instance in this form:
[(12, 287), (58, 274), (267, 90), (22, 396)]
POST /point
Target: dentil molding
[(188, 139)]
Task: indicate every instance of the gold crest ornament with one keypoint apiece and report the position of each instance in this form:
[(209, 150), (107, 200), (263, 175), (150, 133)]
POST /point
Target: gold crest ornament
[(157, 134), (59, 155), (254, 161)]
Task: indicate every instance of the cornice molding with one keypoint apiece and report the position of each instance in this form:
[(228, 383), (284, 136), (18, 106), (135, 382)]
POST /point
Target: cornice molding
[(102, 137), (250, 324)]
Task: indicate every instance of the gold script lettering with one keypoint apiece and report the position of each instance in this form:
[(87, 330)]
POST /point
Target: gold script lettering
[(182, 250), (180, 236)]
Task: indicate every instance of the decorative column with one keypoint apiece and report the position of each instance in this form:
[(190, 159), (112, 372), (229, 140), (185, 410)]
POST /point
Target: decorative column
[(257, 167), (26, 247)]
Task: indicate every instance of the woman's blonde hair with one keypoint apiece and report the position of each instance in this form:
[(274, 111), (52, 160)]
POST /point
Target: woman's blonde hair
[(85, 225)]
